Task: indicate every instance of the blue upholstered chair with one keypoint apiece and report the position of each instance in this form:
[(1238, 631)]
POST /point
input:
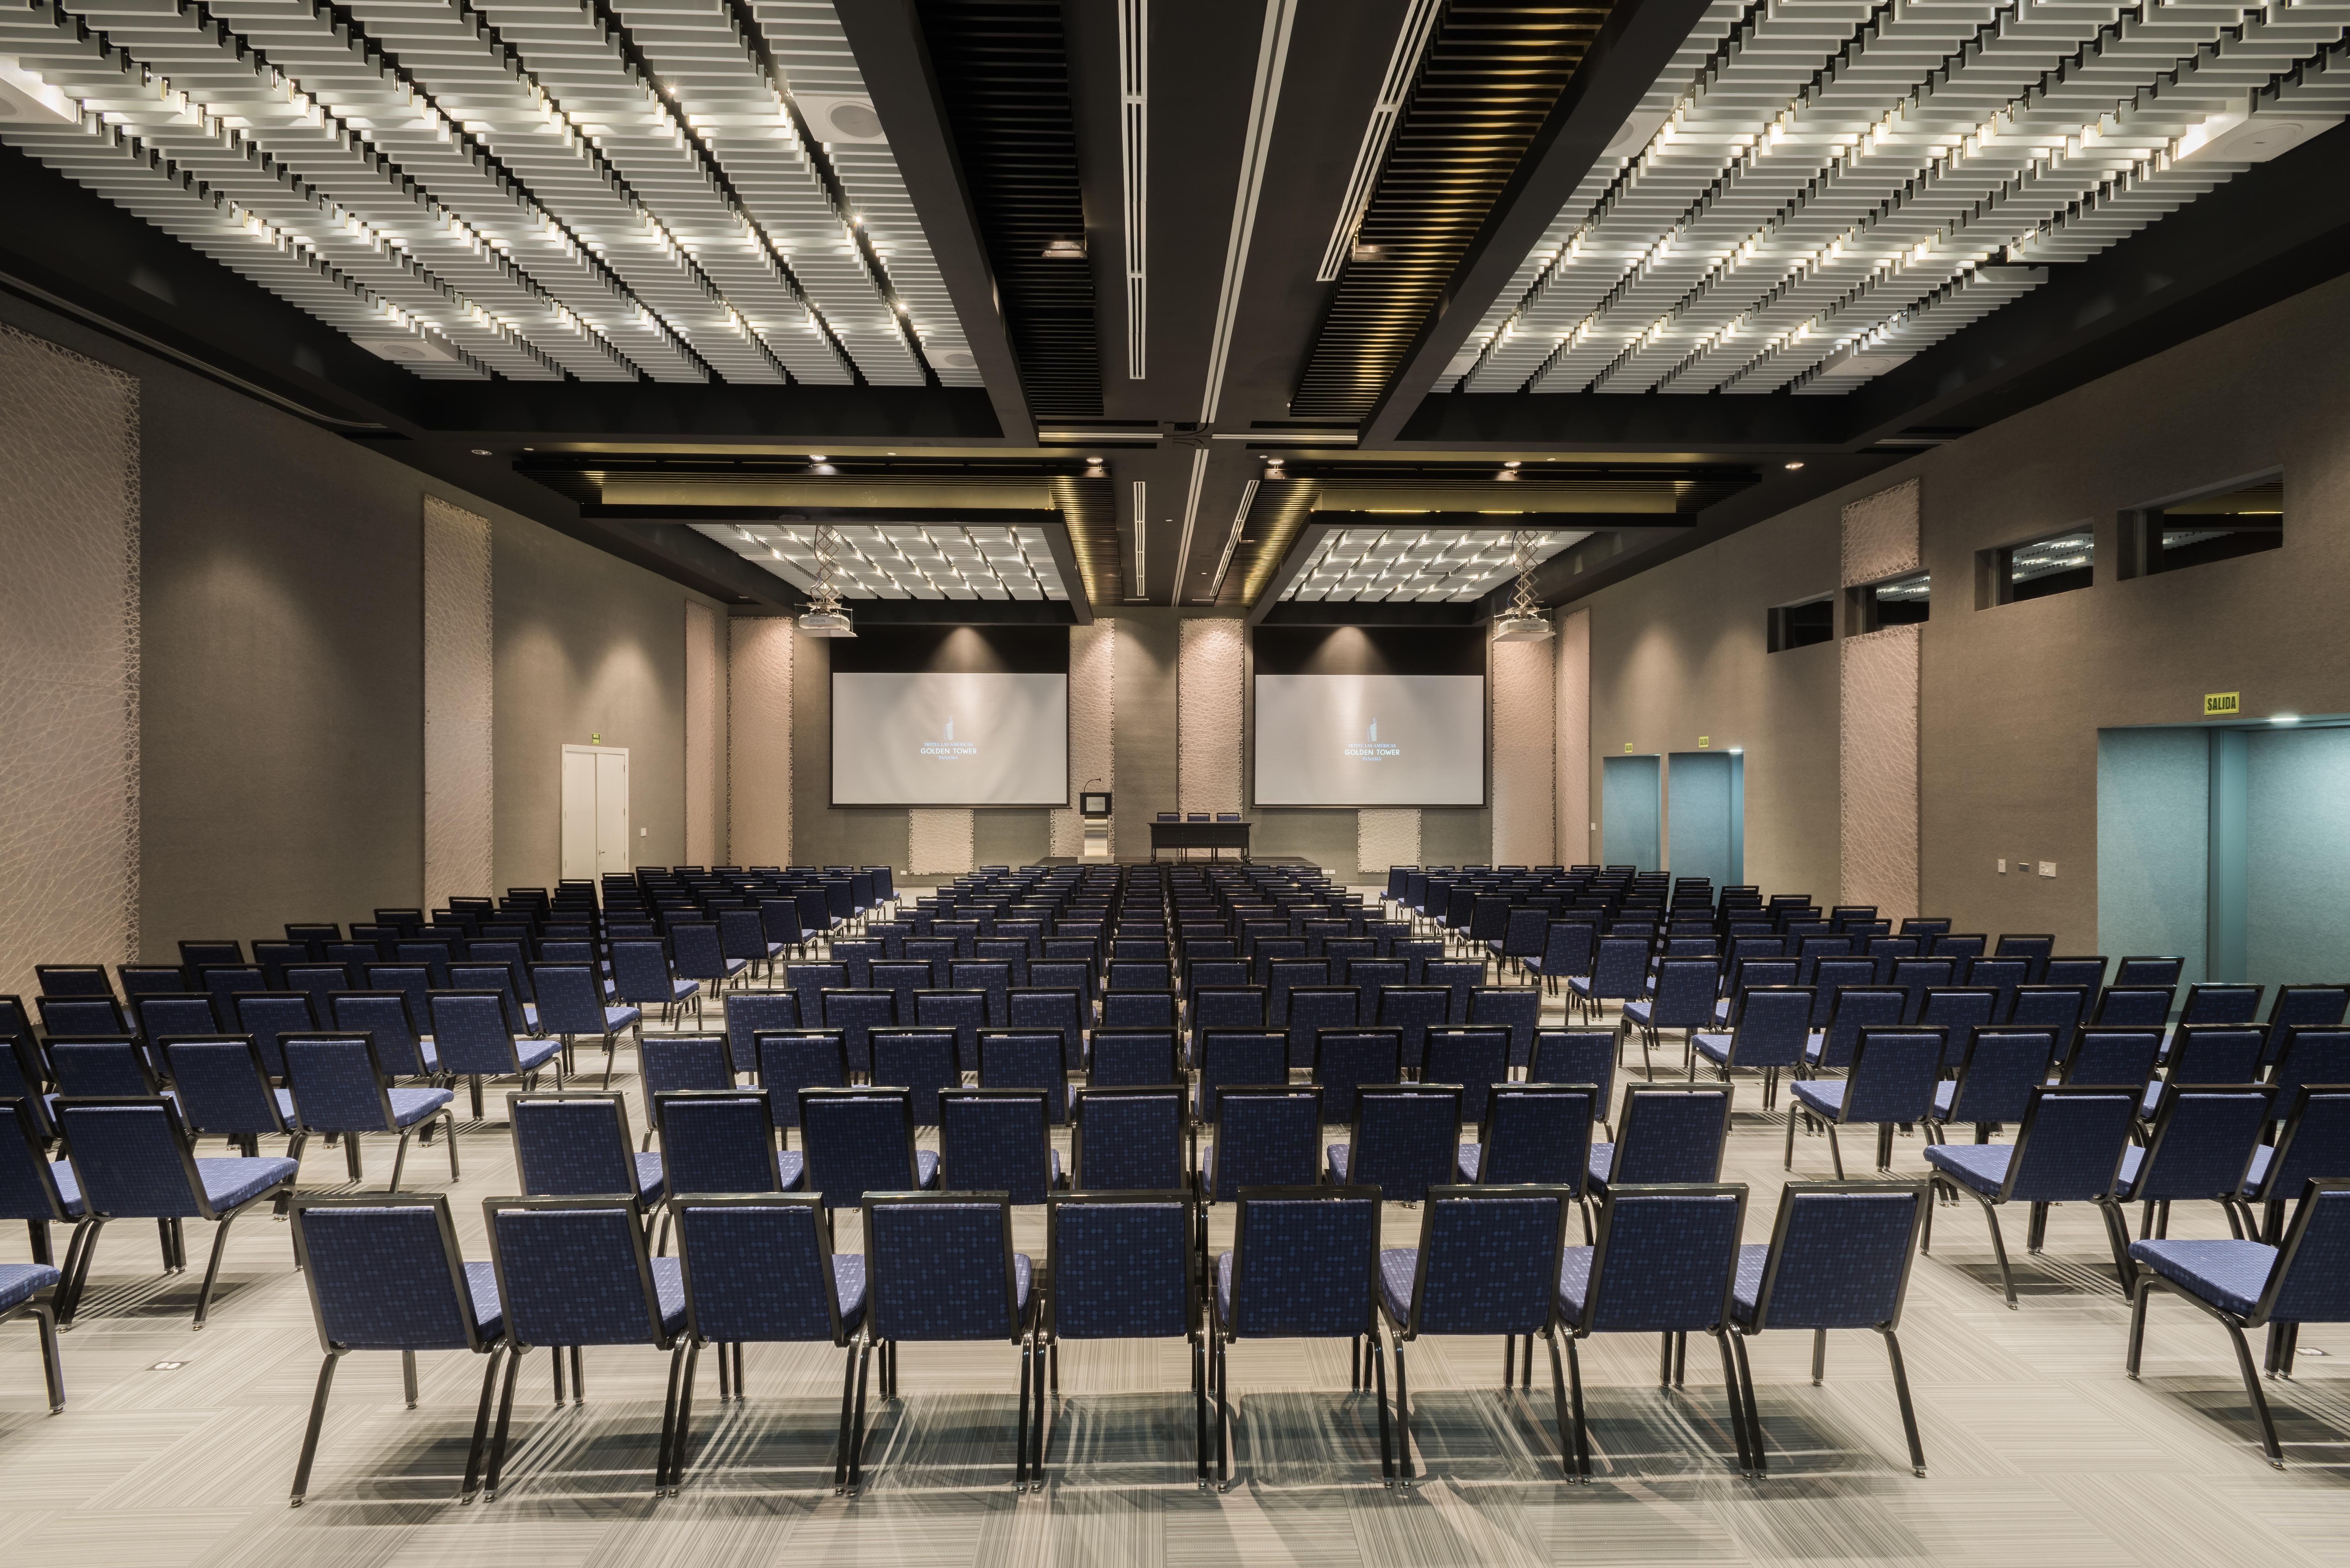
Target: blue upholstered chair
[(1684, 998), (698, 953), (20, 1288), (1664, 1263), (1124, 1267), (339, 1086), (1025, 1059), (2100, 1054), (2068, 1150), (2134, 1005), (223, 1087), (723, 1140), (675, 1061), (473, 1034), (2303, 1007), (921, 1060), (1534, 1133), (1403, 1138), (965, 1011), (1619, 973), (1584, 1055), (32, 1188), (860, 1140), (1141, 1057), (1839, 1258), (1851, 1009), (1238, 1056), (857, 1014), (2057, 1007), (1304, 1264), (1768, 1032), (1997, 1072), (1312, 1008), (2199, 1150), (642, 978), (132, 1159), (1060, 1010), (994, 1139), (1488, 1262), (2252, 1285), (578, 1146), (385, 1273), (1666, 1133), (576, 1272), (2309, 1054), (571, 1004), (401, 1044), (1346, 1059), (1517, 1009), (760, 1270), (1475, 1056), (1522, 938), (940, 1267), (787, 1061), (1265, 1137), (2312, 1145), (1130, 1139), (1415, 1009), (1891, 1082)]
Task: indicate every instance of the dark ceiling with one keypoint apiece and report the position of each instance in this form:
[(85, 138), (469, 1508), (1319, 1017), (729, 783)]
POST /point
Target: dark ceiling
[(1210, 318)]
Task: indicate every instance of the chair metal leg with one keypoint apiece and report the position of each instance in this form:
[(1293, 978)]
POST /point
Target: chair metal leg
[(1999, 1246), (52, 1367), (1665, 1361), (856, 1426), (68, 1292), (450, 1117), (1557, 1400), (1379, 1378), (578, 1378), (1582, 1428), (480, 1426), (505, 1415), (1509, 1361), (1753, 1407), (2036, 1230), (408, 1375), (662, 1457), (310, 1437), (556, 1352), (1902, 1392), (1734, 1395), (840, 1448), (742, 1388), (351, 1162), (212, 1269), (1403, 1419), (398, 1158), (1020, 1430), (1044, 1432), (40, 1241), (2117, 1236), (2137, 1322), (725, 1376), (1219, 1363), (1793, 1111), (1819, 1357), (1835, 1152), (1199, 1407), (2269, 1446)]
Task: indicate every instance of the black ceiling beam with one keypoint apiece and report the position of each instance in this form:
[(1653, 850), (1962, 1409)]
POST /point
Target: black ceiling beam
[(712, 411), (886, 37), (1064, 561), (1509, 521), (1598, 421), (1634, 47), (1293, 561)]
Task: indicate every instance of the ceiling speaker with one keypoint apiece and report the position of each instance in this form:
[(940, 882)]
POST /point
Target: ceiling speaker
[(840, 119)]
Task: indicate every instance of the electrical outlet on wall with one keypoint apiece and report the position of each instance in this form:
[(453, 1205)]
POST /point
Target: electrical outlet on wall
[(2002, 867), (2048, 867)]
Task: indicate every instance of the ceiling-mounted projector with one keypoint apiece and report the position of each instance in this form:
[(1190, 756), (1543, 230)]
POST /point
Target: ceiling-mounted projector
[(1521, 628), (826, 623)]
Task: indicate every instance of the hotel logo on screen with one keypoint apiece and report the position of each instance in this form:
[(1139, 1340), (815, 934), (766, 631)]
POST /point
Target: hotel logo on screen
[(1371, 749), (947, 748)]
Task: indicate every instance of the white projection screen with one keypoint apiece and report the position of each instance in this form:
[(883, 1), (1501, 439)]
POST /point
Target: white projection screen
[(950, 738), (1370, 740)]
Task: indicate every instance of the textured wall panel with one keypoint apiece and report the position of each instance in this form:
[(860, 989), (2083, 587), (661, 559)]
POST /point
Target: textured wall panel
[(1093, 728), (1524, 751), (938, 842), (460, 690), (705, 736), (1573, 668), (759, 740), (68, 662), (1880, 534), (1878, 777), (1383, 838), (1208, 727)]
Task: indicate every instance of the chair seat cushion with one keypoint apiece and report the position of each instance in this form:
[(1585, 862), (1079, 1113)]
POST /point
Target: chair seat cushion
[(1722, 1009), (651, 1178), (1945, 1096), (1746, 1287), (1579, 983), (2125, 1184), (1639, 1011), (1815, 1044), (1981, 1166), (1824, 1095), (1337, 1154), (489, 1313), (668, 1286), (536, 1054), (530, 1016), (69, 1186), (735, 967), (618, 1017), (793, 1166), (1603, 1162), (229, 1183), (1573, 1280), (1397, 1268), (410, 1107), (1225, 1288), (2152, 1103), (2262, 1154), (1471, 1157), (2229, 1275), (20, 1282), (849, 1285), (681, 988), (1024, 1276), (926, 1167), (1714, 1048)]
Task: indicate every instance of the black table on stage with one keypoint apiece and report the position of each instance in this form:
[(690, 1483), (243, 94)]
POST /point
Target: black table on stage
[(1217, 835)]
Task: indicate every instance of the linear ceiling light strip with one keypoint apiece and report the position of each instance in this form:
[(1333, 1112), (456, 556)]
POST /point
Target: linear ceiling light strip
[(1256, 146), (1134, 160), (1191, 515), (1141, 544), (1403, 64), (1232, 543)]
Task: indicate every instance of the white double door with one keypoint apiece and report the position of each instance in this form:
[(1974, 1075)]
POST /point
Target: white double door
[(595, 811)]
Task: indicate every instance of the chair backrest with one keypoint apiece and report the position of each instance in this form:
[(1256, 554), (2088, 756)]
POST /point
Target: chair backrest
[(1346, 1058), (994, 1139), (2203, 1141), (1686, 990), (1840, 1255), (1266, 1136), (2134, 1005), (2088, 973), (1670, 1133), (572, 1144), (184, 1012), (1124, 1264), (2106, 1055), (1237, 1056), (1129, 1138), (2215, 1003), (575, 1271), (1404, 1139), (569, 998), (640, 971), (921, 1060), (2304, 1006), (1229, 1007), (1664, 1259), (1998, 1071), (2311, 1055), (788, 1060), (717, 1140), (940, 1267), (384, 1272), (1488, 1260), (1518, 1009), (2215, 1053), (1414, 1009), (88, 1065), (1620, 972), (1577, 1057), (674, 1062), (1137, 1010), (73, 980), (2313, 1144), (1139, 1056), (338, 1082), (1894, 1070), (29, 1188), (1025, 1059), (1313, 1008), (1538, 1132), (857, 1140), (1772, 1025), (2308, 1284), (223, 1085), (1303, 1263), (766, 1272), (1061, 1011), (2069, 1146), (965, 1011), (1855, 1008), (131, 1156), (84, 1015), (1475, 1056), (1955, 1008)]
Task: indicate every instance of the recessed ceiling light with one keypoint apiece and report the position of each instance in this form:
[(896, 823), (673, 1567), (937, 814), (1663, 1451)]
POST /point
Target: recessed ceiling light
[(1793, 466), (817, 457), (481, 452), (1513, 463), (1093, 459)]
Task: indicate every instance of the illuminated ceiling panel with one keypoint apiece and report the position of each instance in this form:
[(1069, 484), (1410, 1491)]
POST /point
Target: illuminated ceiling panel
[(905, 560), (1408, 564)]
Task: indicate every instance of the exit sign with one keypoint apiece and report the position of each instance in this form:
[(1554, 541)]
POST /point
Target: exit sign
[(2221, 704)]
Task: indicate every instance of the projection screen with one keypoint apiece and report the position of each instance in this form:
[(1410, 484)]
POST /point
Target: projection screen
[(935, 739), (1370, 740)]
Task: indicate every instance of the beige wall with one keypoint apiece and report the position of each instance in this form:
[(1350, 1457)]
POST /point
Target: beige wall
[(2011, 698)]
